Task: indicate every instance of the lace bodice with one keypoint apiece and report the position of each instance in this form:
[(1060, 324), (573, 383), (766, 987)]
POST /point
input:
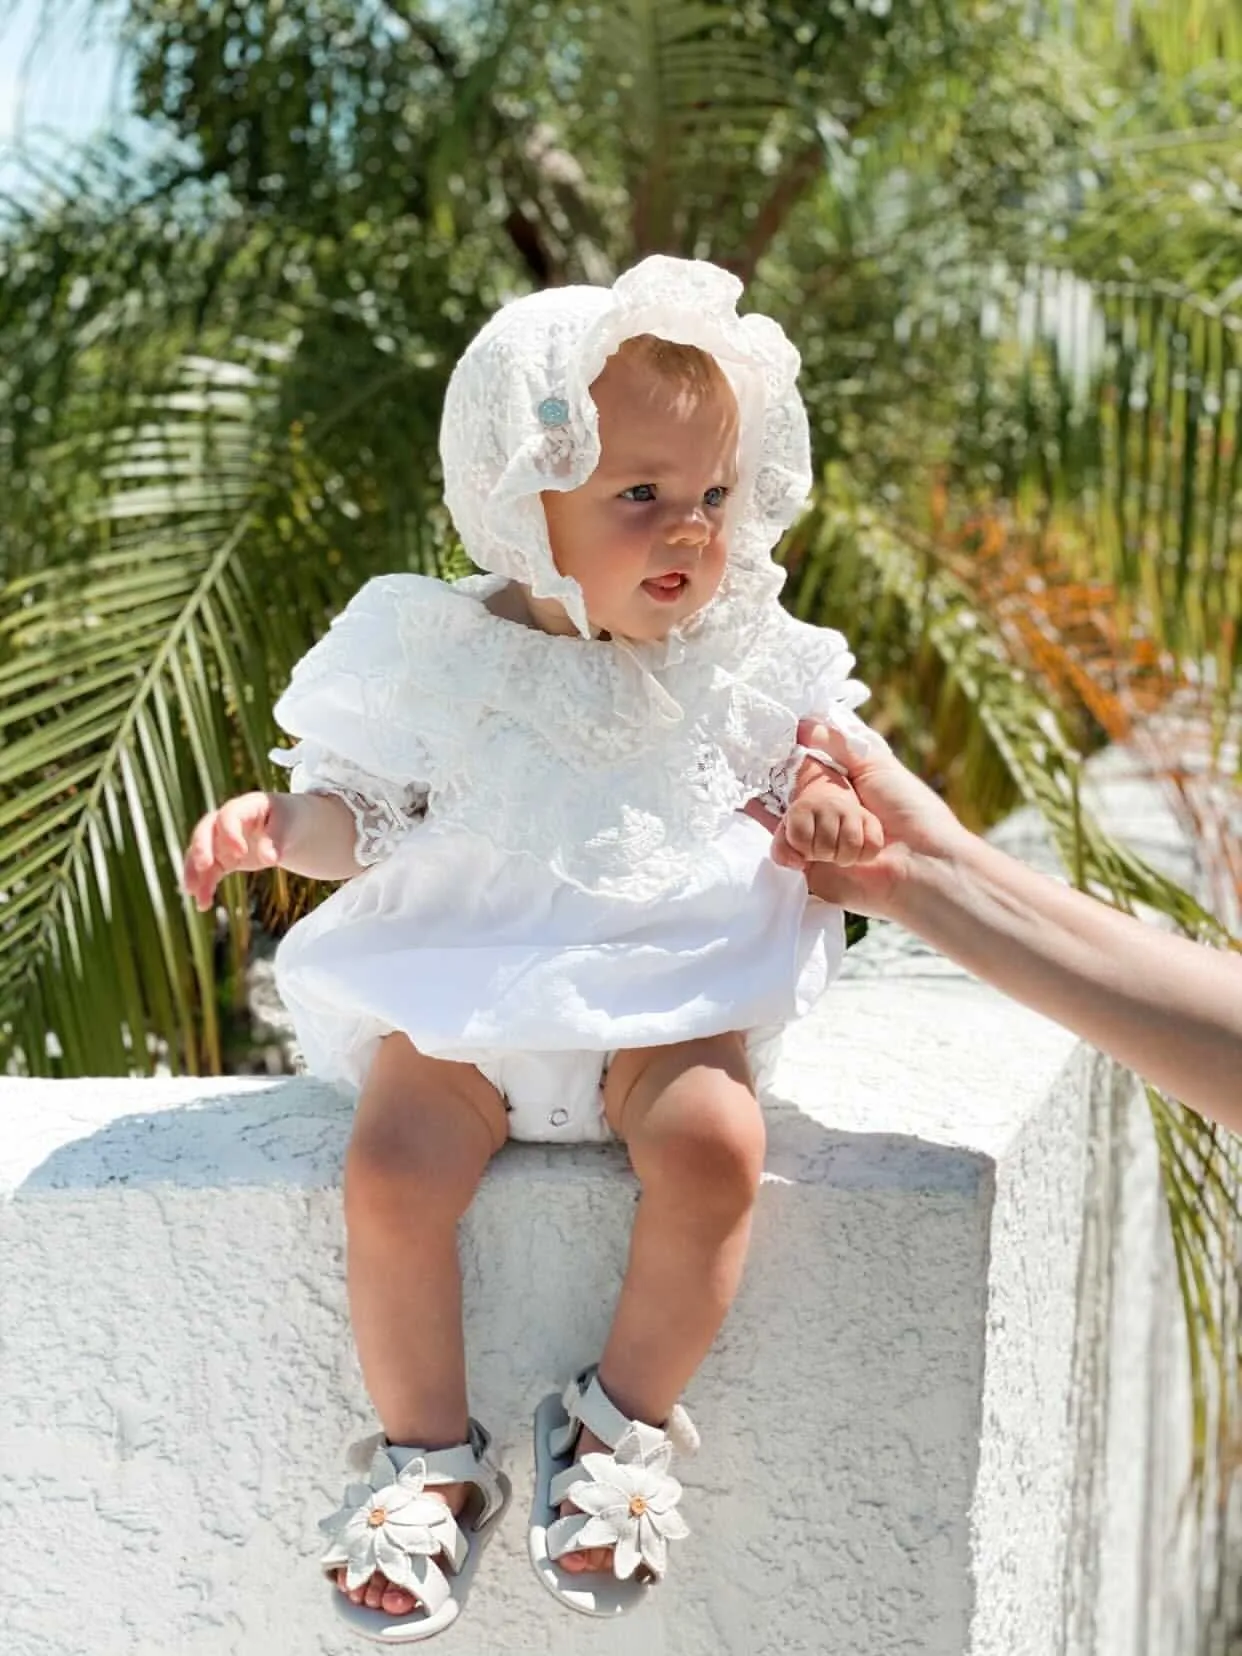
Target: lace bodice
[(611, 765)]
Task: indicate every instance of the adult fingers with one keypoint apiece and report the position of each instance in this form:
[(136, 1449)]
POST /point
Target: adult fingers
[(814, 733), (873, 837), (833, 884)]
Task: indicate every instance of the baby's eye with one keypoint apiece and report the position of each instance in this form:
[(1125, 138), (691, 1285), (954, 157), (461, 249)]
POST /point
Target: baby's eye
[(716, 495), (642, 492)]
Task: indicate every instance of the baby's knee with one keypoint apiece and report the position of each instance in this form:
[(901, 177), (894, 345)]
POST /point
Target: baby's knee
[(416, 1153), (395, 1176), (708, 1145)]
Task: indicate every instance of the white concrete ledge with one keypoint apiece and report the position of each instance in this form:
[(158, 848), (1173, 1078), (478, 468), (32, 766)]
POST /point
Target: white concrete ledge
[(891, 1461)]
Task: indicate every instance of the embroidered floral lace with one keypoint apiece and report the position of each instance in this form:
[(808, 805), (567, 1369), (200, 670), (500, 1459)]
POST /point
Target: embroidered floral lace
[(611, 765)]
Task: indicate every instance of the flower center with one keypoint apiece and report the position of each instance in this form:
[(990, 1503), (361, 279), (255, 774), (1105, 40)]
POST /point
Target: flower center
[(637, 1507), (378, 1517)]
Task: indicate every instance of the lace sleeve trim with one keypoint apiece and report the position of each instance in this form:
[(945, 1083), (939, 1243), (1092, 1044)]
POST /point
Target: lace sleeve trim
[(379, 827), (384, 812)]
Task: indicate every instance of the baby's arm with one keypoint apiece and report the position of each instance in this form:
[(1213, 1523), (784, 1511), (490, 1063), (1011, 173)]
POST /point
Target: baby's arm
[(308, 833)]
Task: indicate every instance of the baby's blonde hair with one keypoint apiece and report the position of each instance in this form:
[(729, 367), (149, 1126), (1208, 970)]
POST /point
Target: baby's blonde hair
[(685, 367)]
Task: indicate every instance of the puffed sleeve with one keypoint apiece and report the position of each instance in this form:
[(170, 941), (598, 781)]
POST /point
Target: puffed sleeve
[(349, 707)]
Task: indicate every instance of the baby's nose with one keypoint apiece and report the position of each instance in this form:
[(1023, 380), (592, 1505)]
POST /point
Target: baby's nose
[(691, 528)]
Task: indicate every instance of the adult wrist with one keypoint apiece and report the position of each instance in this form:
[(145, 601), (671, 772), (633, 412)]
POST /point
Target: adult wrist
[(928, 877)]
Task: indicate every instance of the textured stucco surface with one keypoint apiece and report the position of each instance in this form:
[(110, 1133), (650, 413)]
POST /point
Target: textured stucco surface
[(177, 1385)]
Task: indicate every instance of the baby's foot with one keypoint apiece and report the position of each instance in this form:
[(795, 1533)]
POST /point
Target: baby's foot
[(591, 1559), (379, 1593)]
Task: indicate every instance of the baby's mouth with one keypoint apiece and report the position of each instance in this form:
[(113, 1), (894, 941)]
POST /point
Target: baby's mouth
[(664, 588)]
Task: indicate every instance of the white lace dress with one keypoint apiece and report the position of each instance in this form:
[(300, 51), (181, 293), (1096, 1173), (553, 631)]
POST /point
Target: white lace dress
[(557, 863)]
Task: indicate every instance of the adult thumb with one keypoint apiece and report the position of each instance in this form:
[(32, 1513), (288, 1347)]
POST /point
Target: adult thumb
[(814, 733)]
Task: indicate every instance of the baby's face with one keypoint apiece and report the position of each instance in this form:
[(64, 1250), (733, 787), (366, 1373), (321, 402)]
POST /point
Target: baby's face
[(644, 536)]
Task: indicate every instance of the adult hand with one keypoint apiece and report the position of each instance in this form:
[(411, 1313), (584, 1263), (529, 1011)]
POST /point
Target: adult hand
[(916, 823), (1168, 1008)]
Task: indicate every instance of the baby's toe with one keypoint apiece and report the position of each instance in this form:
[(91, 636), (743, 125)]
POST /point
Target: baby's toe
[(397, 1601), (353, 1594), (378, 1594), (591, 1560)]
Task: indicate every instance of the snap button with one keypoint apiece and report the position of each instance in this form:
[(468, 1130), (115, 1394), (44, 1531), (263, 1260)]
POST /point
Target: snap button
[(558, 1118)]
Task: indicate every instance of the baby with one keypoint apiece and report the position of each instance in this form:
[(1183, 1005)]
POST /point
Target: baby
[(560, 922)]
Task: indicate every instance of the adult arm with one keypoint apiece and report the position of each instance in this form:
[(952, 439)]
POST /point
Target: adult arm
[(1164, 1006)]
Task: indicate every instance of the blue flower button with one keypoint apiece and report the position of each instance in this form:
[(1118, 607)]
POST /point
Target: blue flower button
[(553, 411)]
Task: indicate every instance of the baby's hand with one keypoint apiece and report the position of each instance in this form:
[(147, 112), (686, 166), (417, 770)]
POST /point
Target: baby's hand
[(826, 822), (241, 836)]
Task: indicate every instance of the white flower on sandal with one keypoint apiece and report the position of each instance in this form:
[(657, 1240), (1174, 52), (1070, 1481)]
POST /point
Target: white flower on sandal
[(631, 1502), (384, 1524)]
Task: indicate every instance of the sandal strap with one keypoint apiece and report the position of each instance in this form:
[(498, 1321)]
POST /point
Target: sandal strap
[(427, 1581), (563, 1535), (469, 1463), (562, 1482), (588, 1404), (425, 1577)]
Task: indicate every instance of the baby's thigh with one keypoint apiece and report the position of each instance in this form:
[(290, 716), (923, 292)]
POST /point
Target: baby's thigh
[(422, 1120)]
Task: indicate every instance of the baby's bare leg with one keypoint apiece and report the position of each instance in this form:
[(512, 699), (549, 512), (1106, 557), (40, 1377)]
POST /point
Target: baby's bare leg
[(423, 1134), (695, 1134)]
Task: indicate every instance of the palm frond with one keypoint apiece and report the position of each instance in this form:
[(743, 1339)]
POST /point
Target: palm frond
[(135, 685), (689, 104), (1109, 422)]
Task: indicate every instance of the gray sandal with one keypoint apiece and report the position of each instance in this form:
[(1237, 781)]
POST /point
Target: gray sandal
[(388, 1524), (628, 1499)]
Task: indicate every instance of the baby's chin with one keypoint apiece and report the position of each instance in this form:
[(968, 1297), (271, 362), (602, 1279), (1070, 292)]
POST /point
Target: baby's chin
[(640, 632)]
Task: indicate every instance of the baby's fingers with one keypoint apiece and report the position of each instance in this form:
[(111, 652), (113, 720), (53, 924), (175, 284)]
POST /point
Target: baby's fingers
[(234, 821), (201, 872), (244, 838), (850, 839), (783, 854), (860, 839)]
